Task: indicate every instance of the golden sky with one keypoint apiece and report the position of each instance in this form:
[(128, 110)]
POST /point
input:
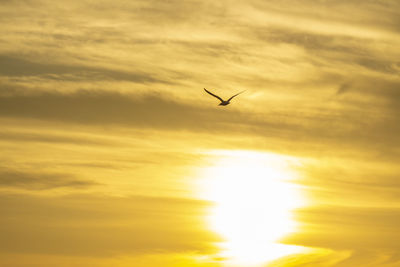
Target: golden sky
[(113, 155)]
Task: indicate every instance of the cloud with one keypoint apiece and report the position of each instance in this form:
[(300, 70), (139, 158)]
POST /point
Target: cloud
[(290, 55), (314, 257), (337, 52), (151, 110), (372, 258), (345, 87), (368, 233), (356, 17), (350, 180), (12, 66), (40, 181), (320, 126), (55, 138), (84, 225)]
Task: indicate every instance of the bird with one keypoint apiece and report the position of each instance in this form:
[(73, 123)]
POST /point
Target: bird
[(223, 102)]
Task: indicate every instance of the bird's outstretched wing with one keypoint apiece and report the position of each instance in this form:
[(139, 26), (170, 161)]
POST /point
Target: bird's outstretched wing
[(220, 99), (235, 95)]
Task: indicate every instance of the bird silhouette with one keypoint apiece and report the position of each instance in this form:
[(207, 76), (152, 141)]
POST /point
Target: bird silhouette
[(223, 102)]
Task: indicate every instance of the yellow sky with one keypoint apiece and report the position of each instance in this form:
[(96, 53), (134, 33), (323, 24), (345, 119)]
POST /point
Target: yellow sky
[(113, 155)]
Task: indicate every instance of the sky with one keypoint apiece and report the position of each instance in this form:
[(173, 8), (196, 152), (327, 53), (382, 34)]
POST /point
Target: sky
[(113, 155)]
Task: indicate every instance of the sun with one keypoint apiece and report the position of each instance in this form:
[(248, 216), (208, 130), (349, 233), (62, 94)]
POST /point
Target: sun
[(253, 197)]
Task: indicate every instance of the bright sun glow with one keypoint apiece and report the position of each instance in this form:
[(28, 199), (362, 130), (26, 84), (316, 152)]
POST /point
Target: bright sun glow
[(254, 199)]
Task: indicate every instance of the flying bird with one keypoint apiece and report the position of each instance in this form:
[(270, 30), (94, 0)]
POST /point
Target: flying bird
[(223, 102)]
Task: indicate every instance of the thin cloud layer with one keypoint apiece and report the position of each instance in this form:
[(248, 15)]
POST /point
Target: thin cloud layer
[(16, 67), (105, 98), (156, 111), (82, 225), (40, 181)]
